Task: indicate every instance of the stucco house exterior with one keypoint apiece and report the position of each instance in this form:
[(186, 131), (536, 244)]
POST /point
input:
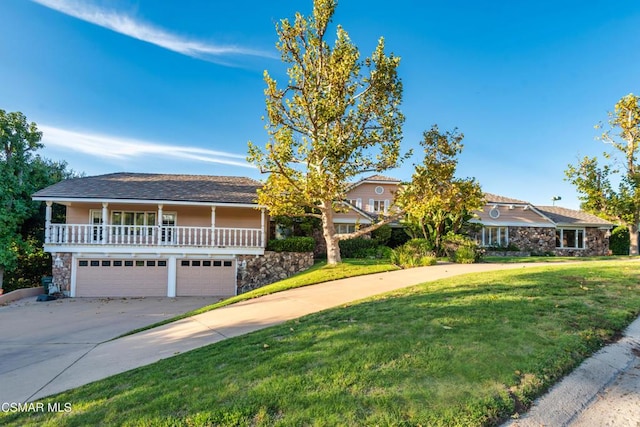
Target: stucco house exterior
[(134, 235), (540, 229)]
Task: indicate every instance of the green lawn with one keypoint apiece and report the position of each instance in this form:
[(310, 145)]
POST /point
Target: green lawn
[(470, 350), (540, 259), (320, 272)]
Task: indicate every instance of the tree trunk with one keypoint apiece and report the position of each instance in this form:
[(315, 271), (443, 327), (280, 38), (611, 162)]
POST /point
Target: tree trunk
[(633, 239), (329, 233), (1, 279)]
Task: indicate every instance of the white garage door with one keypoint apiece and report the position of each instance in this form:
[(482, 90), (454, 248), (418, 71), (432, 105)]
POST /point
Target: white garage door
[(121, 278), (206, 277)]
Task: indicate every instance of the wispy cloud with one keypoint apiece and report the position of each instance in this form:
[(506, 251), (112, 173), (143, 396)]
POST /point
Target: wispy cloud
[(106, 146), (129, 26)]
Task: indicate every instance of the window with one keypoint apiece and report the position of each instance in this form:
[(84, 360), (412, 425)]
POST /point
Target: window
[(206, 263), (356, 202), (106, 263), (195, 263), (117, 263), (568, 238), (83, 263), (217, 263), (184, 263), (139, 263), (345, 228), (227, 263), (379, 205), (162, 263), (95, 263), (151, 263), (494, 236), (379, 190), (128, 263)]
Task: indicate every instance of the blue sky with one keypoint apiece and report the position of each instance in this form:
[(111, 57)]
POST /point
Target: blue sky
[(176, 87)]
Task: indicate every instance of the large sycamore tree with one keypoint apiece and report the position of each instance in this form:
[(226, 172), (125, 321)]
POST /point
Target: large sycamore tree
[(436, 202), (596, 182), (336, 118)]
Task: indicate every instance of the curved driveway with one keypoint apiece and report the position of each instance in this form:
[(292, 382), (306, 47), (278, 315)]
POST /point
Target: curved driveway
[(77, 366)]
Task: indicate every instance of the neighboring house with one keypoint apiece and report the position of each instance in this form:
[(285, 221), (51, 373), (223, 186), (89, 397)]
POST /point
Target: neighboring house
[(367, 200), (540, 229), (129, 234)]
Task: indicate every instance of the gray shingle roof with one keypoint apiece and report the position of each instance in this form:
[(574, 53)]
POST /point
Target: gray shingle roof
[(490, 197), (142, 186), (564, 216)]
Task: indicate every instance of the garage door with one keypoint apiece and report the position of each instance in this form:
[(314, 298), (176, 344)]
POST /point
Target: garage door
[(206, 277), (121, 278)]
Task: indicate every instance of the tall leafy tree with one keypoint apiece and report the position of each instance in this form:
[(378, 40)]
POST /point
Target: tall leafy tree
[(596, 182), (337, 118), (436, 202), (18, 141)]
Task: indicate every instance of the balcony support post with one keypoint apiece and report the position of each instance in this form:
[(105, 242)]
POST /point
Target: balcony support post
[(213, 226), (47, 222), (262, 221), (105, 213)]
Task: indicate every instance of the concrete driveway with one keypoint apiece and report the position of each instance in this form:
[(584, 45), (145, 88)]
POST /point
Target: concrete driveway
[(39, 339)]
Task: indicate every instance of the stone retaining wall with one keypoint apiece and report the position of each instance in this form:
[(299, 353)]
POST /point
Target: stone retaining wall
[(257, 271)]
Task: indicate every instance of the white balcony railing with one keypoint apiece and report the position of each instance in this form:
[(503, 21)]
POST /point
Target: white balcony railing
[(135, 235)]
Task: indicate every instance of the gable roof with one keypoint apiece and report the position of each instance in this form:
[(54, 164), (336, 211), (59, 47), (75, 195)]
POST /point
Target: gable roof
[(156, 187), (375, 179), (564, 216), (490, 197)]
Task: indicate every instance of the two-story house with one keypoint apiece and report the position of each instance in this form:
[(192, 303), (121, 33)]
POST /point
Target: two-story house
[(130, 234)]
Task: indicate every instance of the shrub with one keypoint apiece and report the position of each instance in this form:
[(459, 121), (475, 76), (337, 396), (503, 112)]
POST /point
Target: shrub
[(382, 235), (398, 237), (292, 244), (414, 253), (33, 263), (619, 241), (461, 249), (358, 247)]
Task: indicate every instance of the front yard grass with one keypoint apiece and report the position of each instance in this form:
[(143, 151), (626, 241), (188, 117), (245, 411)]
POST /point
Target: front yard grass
[(471, 350), (318, 273), (542, 259)]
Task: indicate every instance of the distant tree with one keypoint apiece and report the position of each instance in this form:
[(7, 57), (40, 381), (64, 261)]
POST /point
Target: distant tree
[(593, 180), (436, 202), (337, 118)]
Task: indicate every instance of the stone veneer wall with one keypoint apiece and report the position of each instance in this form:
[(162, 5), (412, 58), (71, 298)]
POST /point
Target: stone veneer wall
[(596, 244), (271, 267), (543, 239), (62, 275), (533, 239)]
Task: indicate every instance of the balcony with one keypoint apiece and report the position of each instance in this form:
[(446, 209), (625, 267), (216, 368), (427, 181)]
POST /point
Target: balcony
[(145, 236)]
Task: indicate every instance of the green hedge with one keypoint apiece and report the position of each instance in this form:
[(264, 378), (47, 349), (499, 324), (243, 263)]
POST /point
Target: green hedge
[(358, 247), (619, 241), (292, 244)]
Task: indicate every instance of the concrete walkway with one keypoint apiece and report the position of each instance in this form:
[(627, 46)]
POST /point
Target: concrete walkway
[(113, 357)]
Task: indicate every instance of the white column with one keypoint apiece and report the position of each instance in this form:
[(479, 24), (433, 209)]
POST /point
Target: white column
[(74, 270), (262, 232), (213, 226), (159, 224), (171, 276), (105, 213), (47, 222)]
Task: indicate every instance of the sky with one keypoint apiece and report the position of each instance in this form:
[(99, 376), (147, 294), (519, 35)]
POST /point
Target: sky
[(177, 86)]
